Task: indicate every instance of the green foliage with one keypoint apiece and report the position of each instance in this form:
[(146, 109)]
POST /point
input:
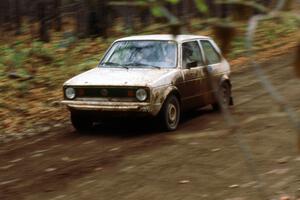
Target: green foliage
[(13, 56), (157, 11), (291, 23), (19, 57), (238, 47), (37, 45), (68, 39), (201, 6), (88, 64), (40, 52), (173, 1)]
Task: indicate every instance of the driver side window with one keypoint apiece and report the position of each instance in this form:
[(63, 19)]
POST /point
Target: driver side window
[(191, 53)]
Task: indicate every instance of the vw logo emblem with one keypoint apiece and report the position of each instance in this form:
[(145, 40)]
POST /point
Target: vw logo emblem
[(104, 92)]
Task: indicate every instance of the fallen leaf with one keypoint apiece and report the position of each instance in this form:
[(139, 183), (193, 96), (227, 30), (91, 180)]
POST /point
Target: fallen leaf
[(16, 160), (6, 167), (68, 159), (9, 181), (283, 160), (234, 186), (98, 169), (37, 155), (216, 150), (89, 142), (115, 149), (184, 181), (278, 171), (50, 169)]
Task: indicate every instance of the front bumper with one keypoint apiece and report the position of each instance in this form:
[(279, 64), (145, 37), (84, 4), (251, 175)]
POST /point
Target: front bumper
[(111, 107)]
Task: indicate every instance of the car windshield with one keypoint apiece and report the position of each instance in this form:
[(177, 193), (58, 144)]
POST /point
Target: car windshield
[(141, 54)]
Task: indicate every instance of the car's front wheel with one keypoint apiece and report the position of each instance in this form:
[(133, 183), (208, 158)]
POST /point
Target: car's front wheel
[(81, 123), (170, 113)]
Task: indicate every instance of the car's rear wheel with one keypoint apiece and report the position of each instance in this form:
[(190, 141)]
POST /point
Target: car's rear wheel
[(224, 93), (170, 113), (80, 122)]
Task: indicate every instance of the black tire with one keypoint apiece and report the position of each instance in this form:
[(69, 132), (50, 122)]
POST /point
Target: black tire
[(170, 113), (80, 122), (224, 93)]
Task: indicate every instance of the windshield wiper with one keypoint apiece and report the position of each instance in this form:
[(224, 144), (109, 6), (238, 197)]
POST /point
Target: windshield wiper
[(136, 64), (114, 64), (110, 63)]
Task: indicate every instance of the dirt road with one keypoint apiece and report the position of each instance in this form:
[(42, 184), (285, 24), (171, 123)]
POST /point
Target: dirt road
[(136, 161)]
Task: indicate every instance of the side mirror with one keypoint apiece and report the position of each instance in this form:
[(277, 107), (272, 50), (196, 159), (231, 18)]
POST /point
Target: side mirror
[(191, 64)]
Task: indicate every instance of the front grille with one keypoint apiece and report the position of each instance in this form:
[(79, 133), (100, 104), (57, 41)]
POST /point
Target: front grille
[(107, 92)]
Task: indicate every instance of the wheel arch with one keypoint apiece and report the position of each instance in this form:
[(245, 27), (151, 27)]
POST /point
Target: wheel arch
[(172, 91)]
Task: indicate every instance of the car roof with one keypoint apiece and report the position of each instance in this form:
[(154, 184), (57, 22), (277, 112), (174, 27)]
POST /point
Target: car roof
[(167, 37)]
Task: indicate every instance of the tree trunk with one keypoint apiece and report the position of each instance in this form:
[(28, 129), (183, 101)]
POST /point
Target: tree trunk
[(145, 17), (2, 14), (57, 18), (44, 35), (92, 18), (224, 11), (185, 10), (82, 19), (7, 14), (128, 19), (102, 17), (211, 8), (17, 17)]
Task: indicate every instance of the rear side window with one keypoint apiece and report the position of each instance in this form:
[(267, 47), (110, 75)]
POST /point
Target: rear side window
[(191, 52), (210, 53)]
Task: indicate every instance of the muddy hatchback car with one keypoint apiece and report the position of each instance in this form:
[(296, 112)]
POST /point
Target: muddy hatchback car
[(152, 75)]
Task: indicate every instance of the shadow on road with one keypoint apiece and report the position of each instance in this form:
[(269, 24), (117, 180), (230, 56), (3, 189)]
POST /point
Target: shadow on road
[(139, 127)]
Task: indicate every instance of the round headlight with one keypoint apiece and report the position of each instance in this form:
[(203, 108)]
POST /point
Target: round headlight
[(70, 93), (141, 94)]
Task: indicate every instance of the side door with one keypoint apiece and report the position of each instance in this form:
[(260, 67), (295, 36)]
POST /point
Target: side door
[(213, 61), (192, 70)]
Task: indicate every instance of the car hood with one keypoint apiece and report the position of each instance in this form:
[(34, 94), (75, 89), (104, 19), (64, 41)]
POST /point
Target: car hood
[(122, 77)]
